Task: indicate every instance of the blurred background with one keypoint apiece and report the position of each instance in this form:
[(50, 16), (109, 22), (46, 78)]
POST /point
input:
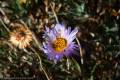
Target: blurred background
[(98, 22)]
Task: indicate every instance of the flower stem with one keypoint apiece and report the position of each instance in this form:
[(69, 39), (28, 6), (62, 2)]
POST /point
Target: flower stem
[(40, 62), (54, 13), (81, 54), (39, 45)]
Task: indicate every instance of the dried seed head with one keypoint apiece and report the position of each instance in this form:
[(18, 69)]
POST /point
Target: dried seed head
[(20, 35)]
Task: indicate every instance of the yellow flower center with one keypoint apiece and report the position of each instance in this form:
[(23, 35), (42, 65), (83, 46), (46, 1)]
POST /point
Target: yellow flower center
[(59, 44)]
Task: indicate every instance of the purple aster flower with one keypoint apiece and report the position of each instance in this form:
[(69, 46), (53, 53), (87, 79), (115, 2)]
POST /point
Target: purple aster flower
[(59, 42)]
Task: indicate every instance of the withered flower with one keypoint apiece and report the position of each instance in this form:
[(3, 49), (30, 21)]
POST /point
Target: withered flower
[(20, 36)]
